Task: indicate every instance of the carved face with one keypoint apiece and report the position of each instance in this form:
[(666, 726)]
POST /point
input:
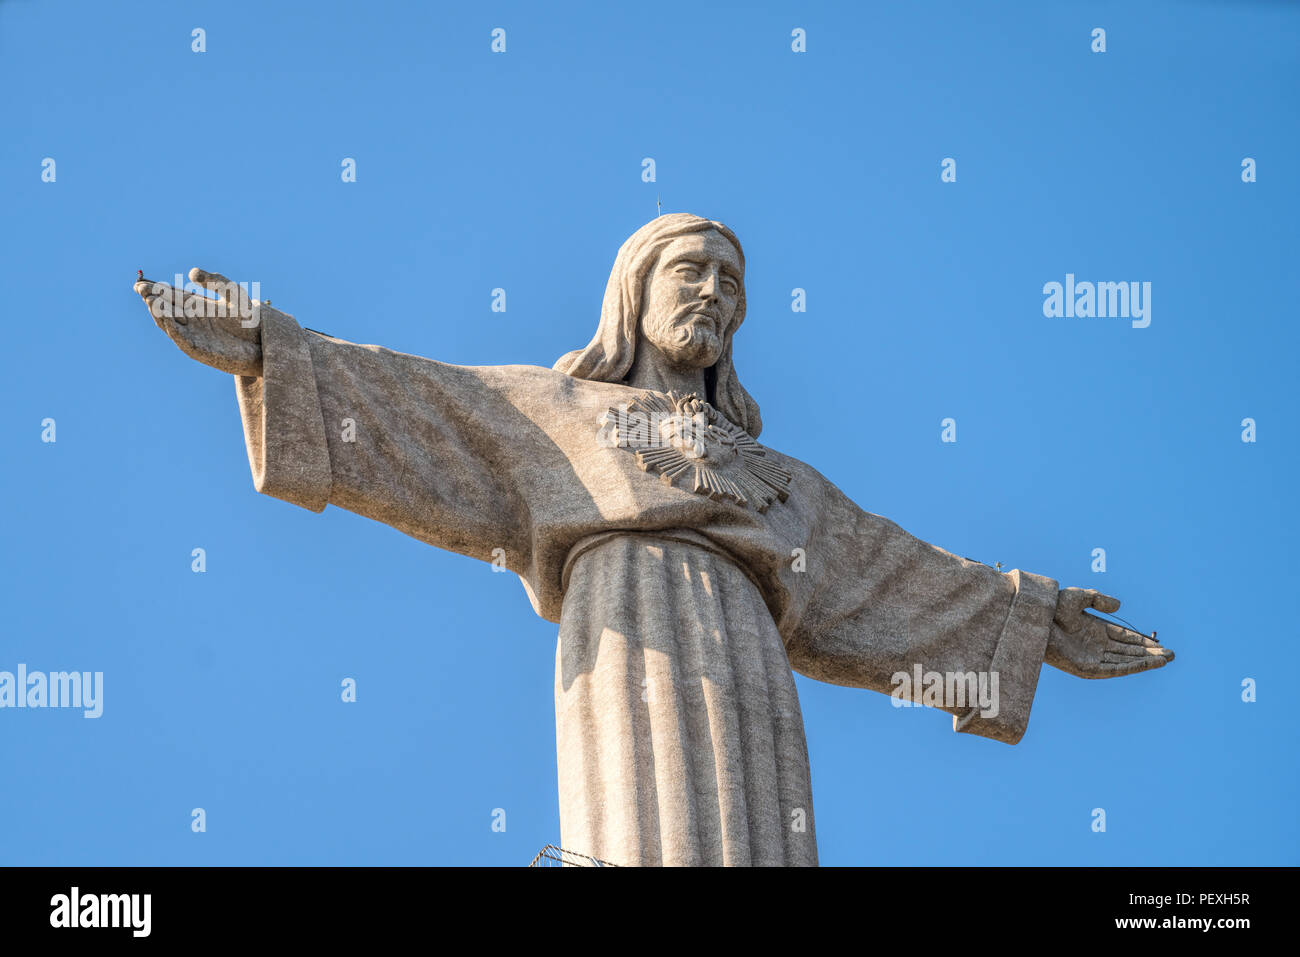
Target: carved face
[(691, 299)]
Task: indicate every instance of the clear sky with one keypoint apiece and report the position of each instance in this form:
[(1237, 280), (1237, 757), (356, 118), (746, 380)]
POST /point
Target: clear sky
[(523, 170)]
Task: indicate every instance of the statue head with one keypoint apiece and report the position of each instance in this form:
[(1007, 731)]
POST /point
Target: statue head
[(678, 286)]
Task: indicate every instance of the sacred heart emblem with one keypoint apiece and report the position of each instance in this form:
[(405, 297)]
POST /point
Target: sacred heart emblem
[(691, 445)]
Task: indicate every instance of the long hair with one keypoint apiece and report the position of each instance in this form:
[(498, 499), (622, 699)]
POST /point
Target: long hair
[(608, 357)]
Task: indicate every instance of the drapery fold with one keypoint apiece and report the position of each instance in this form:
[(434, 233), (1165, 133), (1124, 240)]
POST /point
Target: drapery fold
[(701, 757)]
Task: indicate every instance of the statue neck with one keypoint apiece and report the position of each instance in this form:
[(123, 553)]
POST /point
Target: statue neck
[(650, 370)]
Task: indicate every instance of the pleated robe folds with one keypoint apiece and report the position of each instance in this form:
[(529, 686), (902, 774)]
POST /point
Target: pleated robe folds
[(678, 728), (681, 737)]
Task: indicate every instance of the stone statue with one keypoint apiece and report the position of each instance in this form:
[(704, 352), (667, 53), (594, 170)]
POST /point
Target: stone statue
[(688, 567)]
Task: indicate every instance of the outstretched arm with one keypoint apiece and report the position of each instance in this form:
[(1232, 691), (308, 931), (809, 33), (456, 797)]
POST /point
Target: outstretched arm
[(880, 603), (431, 449)]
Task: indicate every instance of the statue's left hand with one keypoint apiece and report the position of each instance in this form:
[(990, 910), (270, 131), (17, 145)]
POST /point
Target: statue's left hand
[(1086, 646)]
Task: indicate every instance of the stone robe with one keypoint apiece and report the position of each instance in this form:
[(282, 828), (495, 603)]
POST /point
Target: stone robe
[(679, 734)]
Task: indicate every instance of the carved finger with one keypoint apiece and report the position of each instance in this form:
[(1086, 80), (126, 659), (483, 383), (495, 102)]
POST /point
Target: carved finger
[(1145, 655), (1129, 637), (230, 292), (1104, 602), (162, 300), (161, 317), (150, 291), (171, 304), (181, 306), (145, 289), (1131, 666), (1120, 650)]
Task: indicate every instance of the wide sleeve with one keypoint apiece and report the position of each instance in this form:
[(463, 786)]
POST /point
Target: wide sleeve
[(432, 449), (881, 604)]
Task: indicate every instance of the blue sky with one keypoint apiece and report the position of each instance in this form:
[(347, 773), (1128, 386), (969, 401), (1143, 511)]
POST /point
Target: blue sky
[(522, 170)]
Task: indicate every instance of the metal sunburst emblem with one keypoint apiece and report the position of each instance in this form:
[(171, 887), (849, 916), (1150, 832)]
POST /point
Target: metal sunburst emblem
[(682, 437)]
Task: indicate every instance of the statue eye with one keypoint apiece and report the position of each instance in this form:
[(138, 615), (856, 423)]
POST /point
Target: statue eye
[(730, 287), (688, 272)]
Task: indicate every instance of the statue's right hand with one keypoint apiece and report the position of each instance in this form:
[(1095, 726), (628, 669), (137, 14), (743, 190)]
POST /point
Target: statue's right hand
[(223, 333)]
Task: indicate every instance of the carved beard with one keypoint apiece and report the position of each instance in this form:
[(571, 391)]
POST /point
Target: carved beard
[(686, 340)]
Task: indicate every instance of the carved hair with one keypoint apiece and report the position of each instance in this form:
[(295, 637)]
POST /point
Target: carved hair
[(608, 357)]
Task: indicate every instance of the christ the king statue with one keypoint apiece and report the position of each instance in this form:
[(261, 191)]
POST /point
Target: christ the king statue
[(689, 568)]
